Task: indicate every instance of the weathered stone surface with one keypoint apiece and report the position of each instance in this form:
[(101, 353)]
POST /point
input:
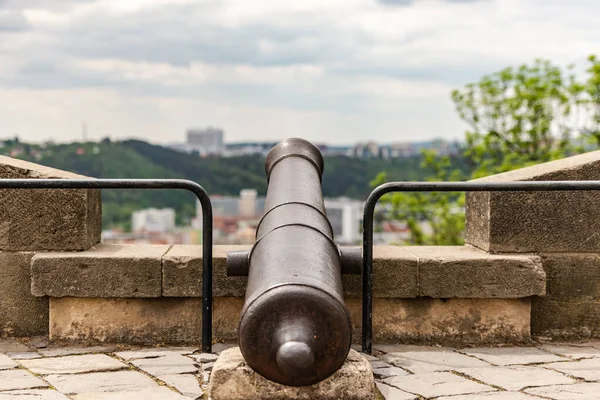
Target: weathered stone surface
[(21, 314), (491, 395), (120, 381), (12, 345), (14, 379), (6, 362), (205, 357), (154, 352), (394, 273), (565, 319), (166, 364), (572, 276), (132, 321), (392, 393), (47, 219), (155, 393), (582, 391), (70, 351), (386, 372), (103, 271), (435, 384), (32, 394), (178, 320), (588, 369), (232, 379), (516, 378), (141, 321), (426, 320), (512, 355), (537, 221), (419, 359), (182, 272), (24, 355), (574, 352), (73, 364), (187, 384), (467, 272)]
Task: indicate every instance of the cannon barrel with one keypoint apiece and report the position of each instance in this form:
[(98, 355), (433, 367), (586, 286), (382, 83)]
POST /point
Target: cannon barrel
[(294, 328)]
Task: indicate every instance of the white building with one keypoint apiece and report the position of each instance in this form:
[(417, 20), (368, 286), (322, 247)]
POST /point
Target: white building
[(345, 216), (247, 204), (153, 220), (209, 140)]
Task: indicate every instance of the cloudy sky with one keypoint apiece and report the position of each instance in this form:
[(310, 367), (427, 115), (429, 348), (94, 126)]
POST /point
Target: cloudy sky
[(327, 70)]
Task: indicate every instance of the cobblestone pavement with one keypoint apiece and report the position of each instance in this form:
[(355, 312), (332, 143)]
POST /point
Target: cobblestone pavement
[(547, 371)]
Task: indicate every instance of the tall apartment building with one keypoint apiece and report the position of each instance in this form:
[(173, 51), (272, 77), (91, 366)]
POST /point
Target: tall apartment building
[(153, 220), (209, 140)]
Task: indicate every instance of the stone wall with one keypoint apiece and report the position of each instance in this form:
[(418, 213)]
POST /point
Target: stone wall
[(531, 266), (34, 221), (563, 228)]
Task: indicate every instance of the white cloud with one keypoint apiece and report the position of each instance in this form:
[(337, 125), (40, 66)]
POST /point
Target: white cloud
[(344, 69)]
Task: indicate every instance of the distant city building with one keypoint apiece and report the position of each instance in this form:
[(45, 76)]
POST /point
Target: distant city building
[(209, 140), (345, 216), (153, 220), (247, 203)]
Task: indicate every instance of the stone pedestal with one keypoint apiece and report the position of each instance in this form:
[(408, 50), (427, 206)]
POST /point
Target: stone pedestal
[(233, 379)]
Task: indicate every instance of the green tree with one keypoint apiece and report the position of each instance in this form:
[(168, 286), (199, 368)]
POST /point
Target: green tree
[(516, 117)]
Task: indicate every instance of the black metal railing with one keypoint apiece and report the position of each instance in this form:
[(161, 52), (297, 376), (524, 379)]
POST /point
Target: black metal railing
[(369, 211), (207, 223)]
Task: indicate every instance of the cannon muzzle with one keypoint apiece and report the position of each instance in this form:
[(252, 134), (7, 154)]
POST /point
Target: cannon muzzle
[(294, 328)]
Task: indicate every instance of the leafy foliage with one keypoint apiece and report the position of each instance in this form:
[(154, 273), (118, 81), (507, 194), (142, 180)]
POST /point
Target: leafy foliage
[(516, 117)]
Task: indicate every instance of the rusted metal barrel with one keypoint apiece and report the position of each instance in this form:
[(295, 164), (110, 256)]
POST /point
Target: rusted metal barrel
[(294, 328)]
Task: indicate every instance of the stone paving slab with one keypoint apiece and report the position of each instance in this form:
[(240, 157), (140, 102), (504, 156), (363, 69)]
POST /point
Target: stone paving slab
[(513, 355), (14, 379), (25, 355), (151, 353), (73, 364), (121, 381), (517, 377), (588, 369), (167, 364), (575, 352), (492, 395), (6, 362), (392, 393), (158, 393), (581, 391), (187, 384), (35, 394), (549, 371), (434, 384), (68, 351), (418, 359)]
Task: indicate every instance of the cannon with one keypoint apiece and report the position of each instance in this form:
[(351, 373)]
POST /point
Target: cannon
[(294, 328)]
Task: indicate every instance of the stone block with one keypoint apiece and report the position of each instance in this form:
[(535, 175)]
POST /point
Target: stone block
[(233, 379), (467, 272), (103, 271), (140, 321), (182, 272), (395, 274), (21, 314), (565, 319), (452, 321), (178, 320), (572, 276), (545, 221), (43, 219)]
